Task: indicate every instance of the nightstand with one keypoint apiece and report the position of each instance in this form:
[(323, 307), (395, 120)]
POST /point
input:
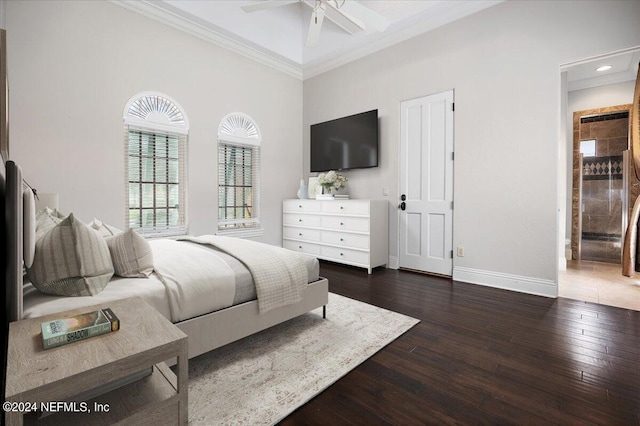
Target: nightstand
[(145, 340)]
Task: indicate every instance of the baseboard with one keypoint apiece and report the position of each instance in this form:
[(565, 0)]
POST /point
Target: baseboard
[(519, 283), (562, 263), (393, 262)]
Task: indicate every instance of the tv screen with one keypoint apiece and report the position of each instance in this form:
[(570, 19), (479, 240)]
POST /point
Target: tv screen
[(345, 143)]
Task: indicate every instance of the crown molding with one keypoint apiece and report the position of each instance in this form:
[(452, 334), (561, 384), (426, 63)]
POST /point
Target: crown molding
[(197, 28), (175, 18)]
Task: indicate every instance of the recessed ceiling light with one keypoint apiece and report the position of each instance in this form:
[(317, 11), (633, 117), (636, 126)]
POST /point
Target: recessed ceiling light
[(603, 68)]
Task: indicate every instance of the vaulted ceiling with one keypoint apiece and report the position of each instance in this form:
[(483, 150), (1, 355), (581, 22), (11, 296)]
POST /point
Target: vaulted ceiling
[(277, 36)]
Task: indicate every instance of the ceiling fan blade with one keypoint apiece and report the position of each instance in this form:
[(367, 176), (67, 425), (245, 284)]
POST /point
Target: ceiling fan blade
[(370, 18), (314, 26), (344, 20), (267, 4)]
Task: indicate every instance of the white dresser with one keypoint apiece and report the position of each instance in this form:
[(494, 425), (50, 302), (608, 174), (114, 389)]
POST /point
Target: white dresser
[(354, 232)]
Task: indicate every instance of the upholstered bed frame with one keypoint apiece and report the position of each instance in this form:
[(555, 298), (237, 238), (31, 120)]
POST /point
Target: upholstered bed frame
[(205, 332)]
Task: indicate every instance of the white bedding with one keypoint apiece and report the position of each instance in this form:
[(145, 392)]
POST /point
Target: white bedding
[(279, 275), (212, 291), (197, 280), (150, 289)]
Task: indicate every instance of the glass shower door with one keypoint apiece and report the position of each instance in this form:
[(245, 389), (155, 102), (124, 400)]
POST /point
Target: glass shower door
[(602, 196)]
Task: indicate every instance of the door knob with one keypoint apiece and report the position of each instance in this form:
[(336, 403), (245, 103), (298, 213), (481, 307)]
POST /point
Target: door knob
[(403, 197), (403, 206)]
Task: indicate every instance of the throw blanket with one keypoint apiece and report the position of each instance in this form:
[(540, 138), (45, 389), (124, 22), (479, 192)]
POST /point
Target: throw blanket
[(196, 280), (279, 274)]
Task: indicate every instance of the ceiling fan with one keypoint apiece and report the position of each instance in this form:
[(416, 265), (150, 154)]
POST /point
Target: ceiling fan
[(347, 14)]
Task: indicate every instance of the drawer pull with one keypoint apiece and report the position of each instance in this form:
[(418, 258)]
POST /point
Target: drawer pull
[(299, 206), (341, 239), (341, 207), (341, 224), (300, 220), (300, 234), (341, 254), (300, 247)]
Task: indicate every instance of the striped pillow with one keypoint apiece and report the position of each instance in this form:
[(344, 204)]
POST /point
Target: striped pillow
[(71, 260), (46, 220), (131, 255)]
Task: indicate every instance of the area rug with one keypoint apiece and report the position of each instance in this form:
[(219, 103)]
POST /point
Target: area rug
[(263, 378)]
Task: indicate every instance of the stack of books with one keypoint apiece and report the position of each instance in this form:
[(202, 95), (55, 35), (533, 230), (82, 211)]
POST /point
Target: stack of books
[(68, 330)]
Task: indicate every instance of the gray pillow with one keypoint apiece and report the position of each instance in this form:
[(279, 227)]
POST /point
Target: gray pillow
[(71, 259), (131, 255)]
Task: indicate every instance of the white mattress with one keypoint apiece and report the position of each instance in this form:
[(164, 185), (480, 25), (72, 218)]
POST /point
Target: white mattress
[(150, 289)]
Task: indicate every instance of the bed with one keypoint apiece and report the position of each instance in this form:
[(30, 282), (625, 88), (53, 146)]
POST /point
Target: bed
[(208, 324)]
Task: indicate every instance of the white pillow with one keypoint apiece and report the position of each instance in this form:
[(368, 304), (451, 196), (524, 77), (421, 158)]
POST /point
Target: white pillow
[(71, 259), (131, 255), (104, 229)]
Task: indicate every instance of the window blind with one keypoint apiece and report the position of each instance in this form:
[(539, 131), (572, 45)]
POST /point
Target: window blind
[(238, 186), (156, 182)]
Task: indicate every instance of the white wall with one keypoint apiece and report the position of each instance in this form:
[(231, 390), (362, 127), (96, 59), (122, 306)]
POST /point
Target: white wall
[(504, 64), (74, 65), (580, 100), (2, 14)]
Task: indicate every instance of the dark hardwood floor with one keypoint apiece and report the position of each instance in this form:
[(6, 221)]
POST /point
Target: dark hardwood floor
[(484, 356)]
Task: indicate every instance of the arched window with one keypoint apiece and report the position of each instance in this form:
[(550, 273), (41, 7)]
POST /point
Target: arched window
[(156, 130), (239, 176)]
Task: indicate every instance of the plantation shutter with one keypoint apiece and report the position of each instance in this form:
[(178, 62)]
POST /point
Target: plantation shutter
[(155, 140), (239, 175), (238, 187), (156, 182)]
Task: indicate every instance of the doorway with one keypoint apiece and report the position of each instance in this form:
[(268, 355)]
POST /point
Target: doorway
[(601, 195), (426, 184), (599, 183)]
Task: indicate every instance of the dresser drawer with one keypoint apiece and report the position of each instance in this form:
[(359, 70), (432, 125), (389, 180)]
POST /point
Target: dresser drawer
[(301, 220), (345, 223), (302, 247), (301, 234), (304, 206), (346, 207), (345, 255), (345, 239)]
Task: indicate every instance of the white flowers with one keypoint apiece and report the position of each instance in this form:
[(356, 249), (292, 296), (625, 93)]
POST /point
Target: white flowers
[(332, 180)]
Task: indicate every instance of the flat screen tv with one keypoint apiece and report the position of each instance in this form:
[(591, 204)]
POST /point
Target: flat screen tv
[(345, 143)]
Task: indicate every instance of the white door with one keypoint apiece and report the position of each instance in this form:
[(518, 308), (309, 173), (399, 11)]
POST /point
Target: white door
[(426, 184)]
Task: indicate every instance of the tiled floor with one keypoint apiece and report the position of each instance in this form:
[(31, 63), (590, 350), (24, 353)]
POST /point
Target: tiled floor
[(600, 283)]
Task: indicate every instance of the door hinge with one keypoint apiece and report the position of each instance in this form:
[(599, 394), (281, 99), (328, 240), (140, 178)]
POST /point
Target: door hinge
[(453, 156), (451, 254), (453, 106), (452, 205)]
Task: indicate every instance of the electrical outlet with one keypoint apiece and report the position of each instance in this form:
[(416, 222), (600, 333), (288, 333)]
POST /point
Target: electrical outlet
[(385, 191), (460, 251)]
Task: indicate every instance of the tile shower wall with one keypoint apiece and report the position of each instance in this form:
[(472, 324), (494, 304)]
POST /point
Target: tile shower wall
[(602, 187)]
